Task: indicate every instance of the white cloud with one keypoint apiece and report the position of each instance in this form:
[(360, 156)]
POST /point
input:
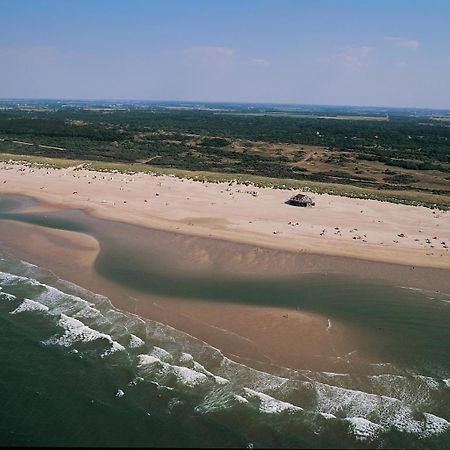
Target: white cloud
[(212, 55), (259, 62), (353, 56), (405, 43)]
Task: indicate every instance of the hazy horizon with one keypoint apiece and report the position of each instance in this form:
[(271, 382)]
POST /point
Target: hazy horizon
[(215, 102), (347, 53)]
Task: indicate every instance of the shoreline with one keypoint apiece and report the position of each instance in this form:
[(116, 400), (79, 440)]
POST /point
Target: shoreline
[(199, 254), (337, 226), (235, 329)]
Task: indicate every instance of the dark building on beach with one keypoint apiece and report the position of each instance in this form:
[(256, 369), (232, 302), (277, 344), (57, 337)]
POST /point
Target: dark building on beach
[(300, 200)]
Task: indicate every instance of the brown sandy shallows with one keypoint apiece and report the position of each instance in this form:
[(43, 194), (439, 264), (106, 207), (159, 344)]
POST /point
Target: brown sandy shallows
[(339, 226), (258, 336)]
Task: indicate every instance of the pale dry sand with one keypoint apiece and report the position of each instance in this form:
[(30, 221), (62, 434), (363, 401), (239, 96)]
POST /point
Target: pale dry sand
[(340, 226)]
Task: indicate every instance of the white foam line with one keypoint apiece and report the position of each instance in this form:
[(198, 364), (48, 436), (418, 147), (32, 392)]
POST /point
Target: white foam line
[(6, 296), (29, 305), (188, 377), (88, 310), (75, 330), (135, 341), (363, 429), (8, 277), (240, 399), (186, 357), (390, 412), (271, 405), (161, 354)]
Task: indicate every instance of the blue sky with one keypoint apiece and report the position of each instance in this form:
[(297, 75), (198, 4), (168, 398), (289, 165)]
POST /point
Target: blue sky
[(381, 53)]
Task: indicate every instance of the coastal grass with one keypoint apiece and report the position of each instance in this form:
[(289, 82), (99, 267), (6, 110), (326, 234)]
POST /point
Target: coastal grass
[(407, 197), (41, 161)]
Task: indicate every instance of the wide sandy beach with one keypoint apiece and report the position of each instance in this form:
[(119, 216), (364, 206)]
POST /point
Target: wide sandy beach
[(340, 226)]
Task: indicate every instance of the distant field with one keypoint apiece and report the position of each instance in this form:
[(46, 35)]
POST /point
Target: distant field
[(308, 116), (441, 118)]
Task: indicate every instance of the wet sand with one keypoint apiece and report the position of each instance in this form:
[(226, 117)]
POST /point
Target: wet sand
[(253, 334)]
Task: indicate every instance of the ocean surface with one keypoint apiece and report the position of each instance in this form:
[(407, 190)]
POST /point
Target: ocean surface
[(76, 371)]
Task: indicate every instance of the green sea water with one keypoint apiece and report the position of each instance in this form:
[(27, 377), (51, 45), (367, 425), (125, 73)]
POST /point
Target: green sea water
[(77, 371)]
